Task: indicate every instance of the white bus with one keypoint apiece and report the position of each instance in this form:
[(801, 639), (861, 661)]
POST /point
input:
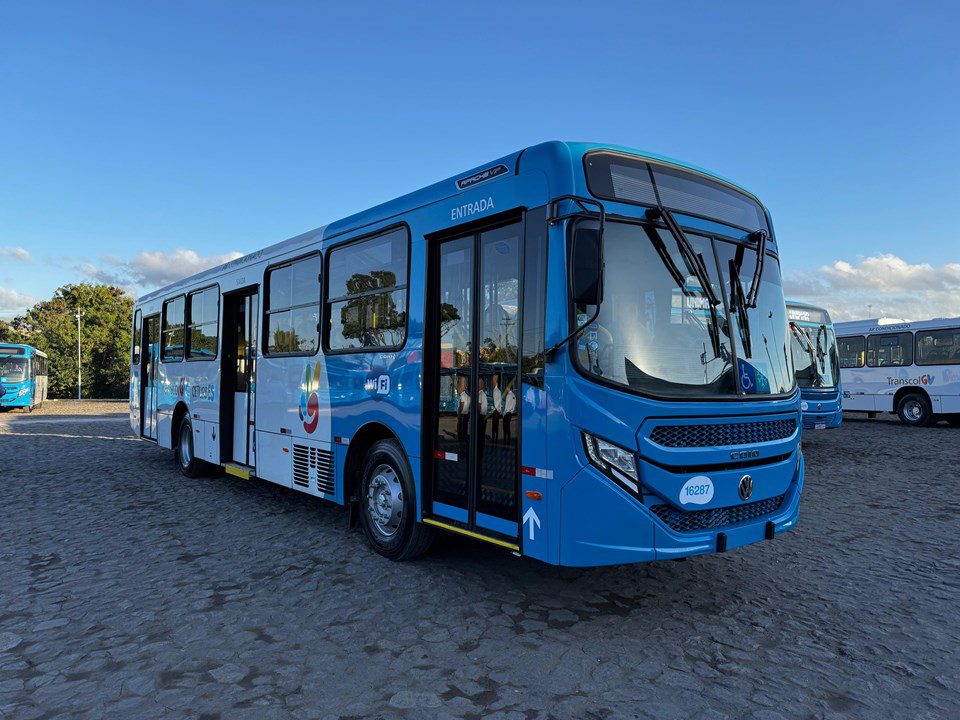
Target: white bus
[(910, 368)]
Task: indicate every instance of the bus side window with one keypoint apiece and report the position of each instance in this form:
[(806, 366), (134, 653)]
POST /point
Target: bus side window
[(172, 335), (292, 312), (366, 303), (136, 337), (851, 350), (938, 347), (890, 350)]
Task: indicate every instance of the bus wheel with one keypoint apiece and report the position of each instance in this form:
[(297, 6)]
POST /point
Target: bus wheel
[(189, 465), (914, 409), (388, 508)]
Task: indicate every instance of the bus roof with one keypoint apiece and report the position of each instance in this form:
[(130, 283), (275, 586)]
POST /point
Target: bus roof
[(18, 349), (550, 157), (890, 325)]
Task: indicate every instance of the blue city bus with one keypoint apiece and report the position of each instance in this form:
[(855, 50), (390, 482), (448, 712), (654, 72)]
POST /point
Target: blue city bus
[(817, 365), (577, 352), (23, 377)]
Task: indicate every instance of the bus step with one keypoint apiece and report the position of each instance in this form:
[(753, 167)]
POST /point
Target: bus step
[(472, 534), (240, 471)]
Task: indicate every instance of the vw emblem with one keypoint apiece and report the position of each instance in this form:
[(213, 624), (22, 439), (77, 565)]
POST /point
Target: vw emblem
[(745, 488)]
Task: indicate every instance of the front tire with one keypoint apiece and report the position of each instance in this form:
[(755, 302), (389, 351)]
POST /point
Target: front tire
[(190, 466), (914, 410), (388, 508)]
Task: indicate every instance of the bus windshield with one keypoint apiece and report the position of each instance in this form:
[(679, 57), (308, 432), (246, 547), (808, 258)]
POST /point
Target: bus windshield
[(815, 355), (654, 335), (13, 369)]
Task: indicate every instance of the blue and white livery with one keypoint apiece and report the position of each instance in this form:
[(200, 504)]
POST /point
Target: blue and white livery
[(814, 347), (908, 368), (576, 352), (23, 377)]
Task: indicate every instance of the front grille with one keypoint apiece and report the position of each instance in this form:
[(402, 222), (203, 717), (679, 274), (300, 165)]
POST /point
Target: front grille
[(723, 434), (695, 520)]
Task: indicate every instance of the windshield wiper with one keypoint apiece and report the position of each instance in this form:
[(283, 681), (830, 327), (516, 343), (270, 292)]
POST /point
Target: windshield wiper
[(694, 261), (804, 340), (739, 301), (821, 353), (760, 237)]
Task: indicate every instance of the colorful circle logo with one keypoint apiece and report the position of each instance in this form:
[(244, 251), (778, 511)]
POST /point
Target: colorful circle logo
[(309, 399)]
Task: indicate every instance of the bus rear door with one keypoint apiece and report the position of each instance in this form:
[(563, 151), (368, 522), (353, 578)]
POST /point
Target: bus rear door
[(150, 355), (238, 373)]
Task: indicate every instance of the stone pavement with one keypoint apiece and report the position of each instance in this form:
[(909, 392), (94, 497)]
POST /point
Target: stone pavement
[(128, 591)]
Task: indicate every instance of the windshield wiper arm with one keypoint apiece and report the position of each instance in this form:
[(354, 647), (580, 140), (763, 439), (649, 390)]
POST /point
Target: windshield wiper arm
[(739, 301), (694, 261), (821, 353), (760, 237), (804, 340)]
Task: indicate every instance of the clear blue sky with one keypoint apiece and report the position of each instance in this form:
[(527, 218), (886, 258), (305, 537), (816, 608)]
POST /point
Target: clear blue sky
[(224, 126)]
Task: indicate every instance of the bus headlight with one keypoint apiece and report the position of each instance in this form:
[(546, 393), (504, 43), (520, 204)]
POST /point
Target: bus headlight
[(613, 461)]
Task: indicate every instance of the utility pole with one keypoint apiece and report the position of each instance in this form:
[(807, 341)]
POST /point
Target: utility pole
[(79, 315)]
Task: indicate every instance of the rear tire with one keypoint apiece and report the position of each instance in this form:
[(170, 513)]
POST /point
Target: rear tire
[(190, 466), (914, 410), (388, 507)]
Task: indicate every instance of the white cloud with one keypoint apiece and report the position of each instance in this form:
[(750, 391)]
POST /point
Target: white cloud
[(13, 302), (880, 286), (153, 269), (14, 253)]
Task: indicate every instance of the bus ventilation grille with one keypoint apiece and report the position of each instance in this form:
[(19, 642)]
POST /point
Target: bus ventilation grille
[(313, 469), (723, 434), (694, 520)]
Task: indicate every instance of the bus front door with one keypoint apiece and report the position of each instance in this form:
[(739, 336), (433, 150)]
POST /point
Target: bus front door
[(150, 356), (238, 373), (475, 338)]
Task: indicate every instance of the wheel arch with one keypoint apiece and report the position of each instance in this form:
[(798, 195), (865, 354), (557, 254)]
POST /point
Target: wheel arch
[(909, 390), (362, 440), (178, 413)]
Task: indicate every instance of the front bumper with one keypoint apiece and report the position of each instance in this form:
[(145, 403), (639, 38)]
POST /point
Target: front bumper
[(604, 525), (10, 399)]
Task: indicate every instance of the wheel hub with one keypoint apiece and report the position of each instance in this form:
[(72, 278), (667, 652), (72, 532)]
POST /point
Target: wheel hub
[(385, 501), (912, 410)]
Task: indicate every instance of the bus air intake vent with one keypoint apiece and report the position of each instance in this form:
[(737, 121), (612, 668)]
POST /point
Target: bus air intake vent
[(696, 520), (313, 469), (723, 434)]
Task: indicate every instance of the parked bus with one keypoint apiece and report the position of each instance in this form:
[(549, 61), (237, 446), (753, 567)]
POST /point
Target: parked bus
[(817, 365), (910, 368), (23, 377), (577, 352)]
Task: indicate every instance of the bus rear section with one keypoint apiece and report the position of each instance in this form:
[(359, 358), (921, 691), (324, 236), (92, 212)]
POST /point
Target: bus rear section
[(817, 365), (23, 377)]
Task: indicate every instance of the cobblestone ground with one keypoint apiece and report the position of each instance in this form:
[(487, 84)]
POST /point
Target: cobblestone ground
[(128, 591)]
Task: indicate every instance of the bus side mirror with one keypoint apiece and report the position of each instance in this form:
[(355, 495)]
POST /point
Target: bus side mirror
[(586, 267)]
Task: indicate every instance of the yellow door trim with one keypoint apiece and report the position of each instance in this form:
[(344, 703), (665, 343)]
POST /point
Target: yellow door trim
[(238, 471), (468, 533)]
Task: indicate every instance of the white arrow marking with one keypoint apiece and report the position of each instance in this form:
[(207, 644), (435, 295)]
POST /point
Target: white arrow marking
[(531, 516)]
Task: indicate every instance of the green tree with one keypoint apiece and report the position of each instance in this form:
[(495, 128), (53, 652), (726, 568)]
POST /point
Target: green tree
[(8, 333), (51, 326)]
